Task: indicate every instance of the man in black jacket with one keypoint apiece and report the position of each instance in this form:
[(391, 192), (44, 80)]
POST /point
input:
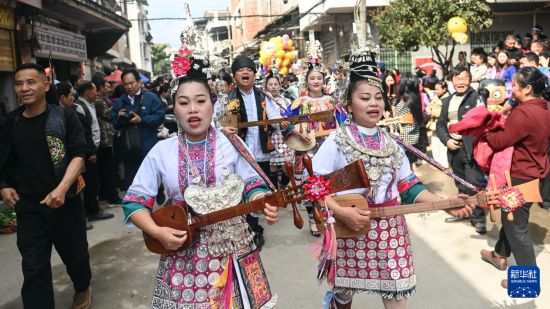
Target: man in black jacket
[(460, 148), (42, 148)]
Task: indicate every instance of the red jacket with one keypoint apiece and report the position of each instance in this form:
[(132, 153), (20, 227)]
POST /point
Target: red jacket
[(528, 130)]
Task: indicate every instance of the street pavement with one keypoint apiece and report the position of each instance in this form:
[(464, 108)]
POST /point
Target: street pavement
[(450, 273)]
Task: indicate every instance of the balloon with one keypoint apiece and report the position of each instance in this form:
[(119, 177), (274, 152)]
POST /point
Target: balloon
[(286, 36), (460, 38), (290, 55), (279, 46), (285, 62), (290, 42), (457, 25), (272, 40), (278, 40), (284, 71), (261, 59), (280, 54), (278, 61)]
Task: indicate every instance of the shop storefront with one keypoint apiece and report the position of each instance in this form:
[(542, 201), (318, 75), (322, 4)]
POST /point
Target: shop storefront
[(8, 61)]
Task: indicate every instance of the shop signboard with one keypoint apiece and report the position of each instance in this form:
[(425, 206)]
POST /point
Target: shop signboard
[(62, 44)]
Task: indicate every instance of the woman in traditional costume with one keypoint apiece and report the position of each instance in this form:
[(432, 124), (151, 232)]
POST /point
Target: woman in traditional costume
[(202, 170), (313, 102), (282, 152), (381, 261)]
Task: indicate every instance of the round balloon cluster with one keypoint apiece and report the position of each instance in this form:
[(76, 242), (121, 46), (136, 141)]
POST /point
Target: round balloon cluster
[(457, 27), (278, 51)]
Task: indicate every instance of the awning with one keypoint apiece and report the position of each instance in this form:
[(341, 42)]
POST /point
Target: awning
[(116, 77), (100, 42)]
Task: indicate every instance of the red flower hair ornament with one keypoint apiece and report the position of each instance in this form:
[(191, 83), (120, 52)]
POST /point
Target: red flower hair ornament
[(182, 62)]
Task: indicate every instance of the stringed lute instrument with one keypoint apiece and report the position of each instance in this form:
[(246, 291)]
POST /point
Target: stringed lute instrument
[(352, 176), (482, 199), (326, 116)]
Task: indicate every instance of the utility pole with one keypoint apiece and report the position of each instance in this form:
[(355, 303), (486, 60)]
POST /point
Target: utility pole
[(363, 18), (229, 30)]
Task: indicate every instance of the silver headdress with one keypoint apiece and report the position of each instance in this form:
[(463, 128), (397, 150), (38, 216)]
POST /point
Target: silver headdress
[(314, 53), (362, 61)]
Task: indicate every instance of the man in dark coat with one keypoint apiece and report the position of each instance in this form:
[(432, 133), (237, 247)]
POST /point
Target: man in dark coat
[(460, 148)]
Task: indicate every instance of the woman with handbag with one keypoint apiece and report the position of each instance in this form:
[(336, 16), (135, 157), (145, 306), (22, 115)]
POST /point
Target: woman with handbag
[(381, 261), (202, 171)]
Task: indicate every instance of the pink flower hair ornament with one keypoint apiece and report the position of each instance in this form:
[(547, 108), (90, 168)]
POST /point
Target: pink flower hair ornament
[(316, 188), (182, 62)]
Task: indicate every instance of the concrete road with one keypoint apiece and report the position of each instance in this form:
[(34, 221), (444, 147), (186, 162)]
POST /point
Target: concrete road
[(449, 271)]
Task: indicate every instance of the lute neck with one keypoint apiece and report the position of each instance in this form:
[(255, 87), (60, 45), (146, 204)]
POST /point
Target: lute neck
[(378, 212)]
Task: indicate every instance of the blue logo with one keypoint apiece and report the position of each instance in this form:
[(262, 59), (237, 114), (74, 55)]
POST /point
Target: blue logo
[(523, 281)]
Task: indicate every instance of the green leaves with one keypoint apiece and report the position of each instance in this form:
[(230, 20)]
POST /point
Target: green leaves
[(161, 58), (408, 24), (405, 24)]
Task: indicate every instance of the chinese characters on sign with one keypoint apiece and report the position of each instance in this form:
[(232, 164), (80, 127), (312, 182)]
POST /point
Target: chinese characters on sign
[(523, 281), (61, 43)]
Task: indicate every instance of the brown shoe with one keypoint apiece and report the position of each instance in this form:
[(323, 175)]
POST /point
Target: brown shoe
[(83, 300), (499, 262), (504, 283)]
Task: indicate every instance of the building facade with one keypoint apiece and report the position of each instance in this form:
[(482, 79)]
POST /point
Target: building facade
[(139, 35)]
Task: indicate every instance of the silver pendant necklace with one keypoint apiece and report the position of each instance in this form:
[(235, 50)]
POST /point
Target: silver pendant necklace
[(194, 175)]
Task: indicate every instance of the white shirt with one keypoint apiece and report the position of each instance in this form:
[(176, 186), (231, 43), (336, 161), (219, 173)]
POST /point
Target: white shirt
[(96, 136), (252, 139), (132, 98)]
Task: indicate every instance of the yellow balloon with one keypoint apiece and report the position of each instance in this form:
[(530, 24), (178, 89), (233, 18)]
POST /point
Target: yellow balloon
[(290, 43), (280, 54), (286, 62), (272, 40), (460, 38), (261, 59), (278, 46), (279, 40), (278, 61), (284, 71), (457, 25), (290, 55)]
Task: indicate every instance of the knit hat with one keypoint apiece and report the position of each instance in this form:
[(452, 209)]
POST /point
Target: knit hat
[(243, 62)]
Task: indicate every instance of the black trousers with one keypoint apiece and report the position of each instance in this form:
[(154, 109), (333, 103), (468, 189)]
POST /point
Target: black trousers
[(131, 166), (545, 189), (514, 235), (253, 221), (91, 190), (468, 170), (107, 175), (40, 227)]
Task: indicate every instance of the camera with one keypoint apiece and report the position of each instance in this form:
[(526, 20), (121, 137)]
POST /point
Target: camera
[(127, 116)]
